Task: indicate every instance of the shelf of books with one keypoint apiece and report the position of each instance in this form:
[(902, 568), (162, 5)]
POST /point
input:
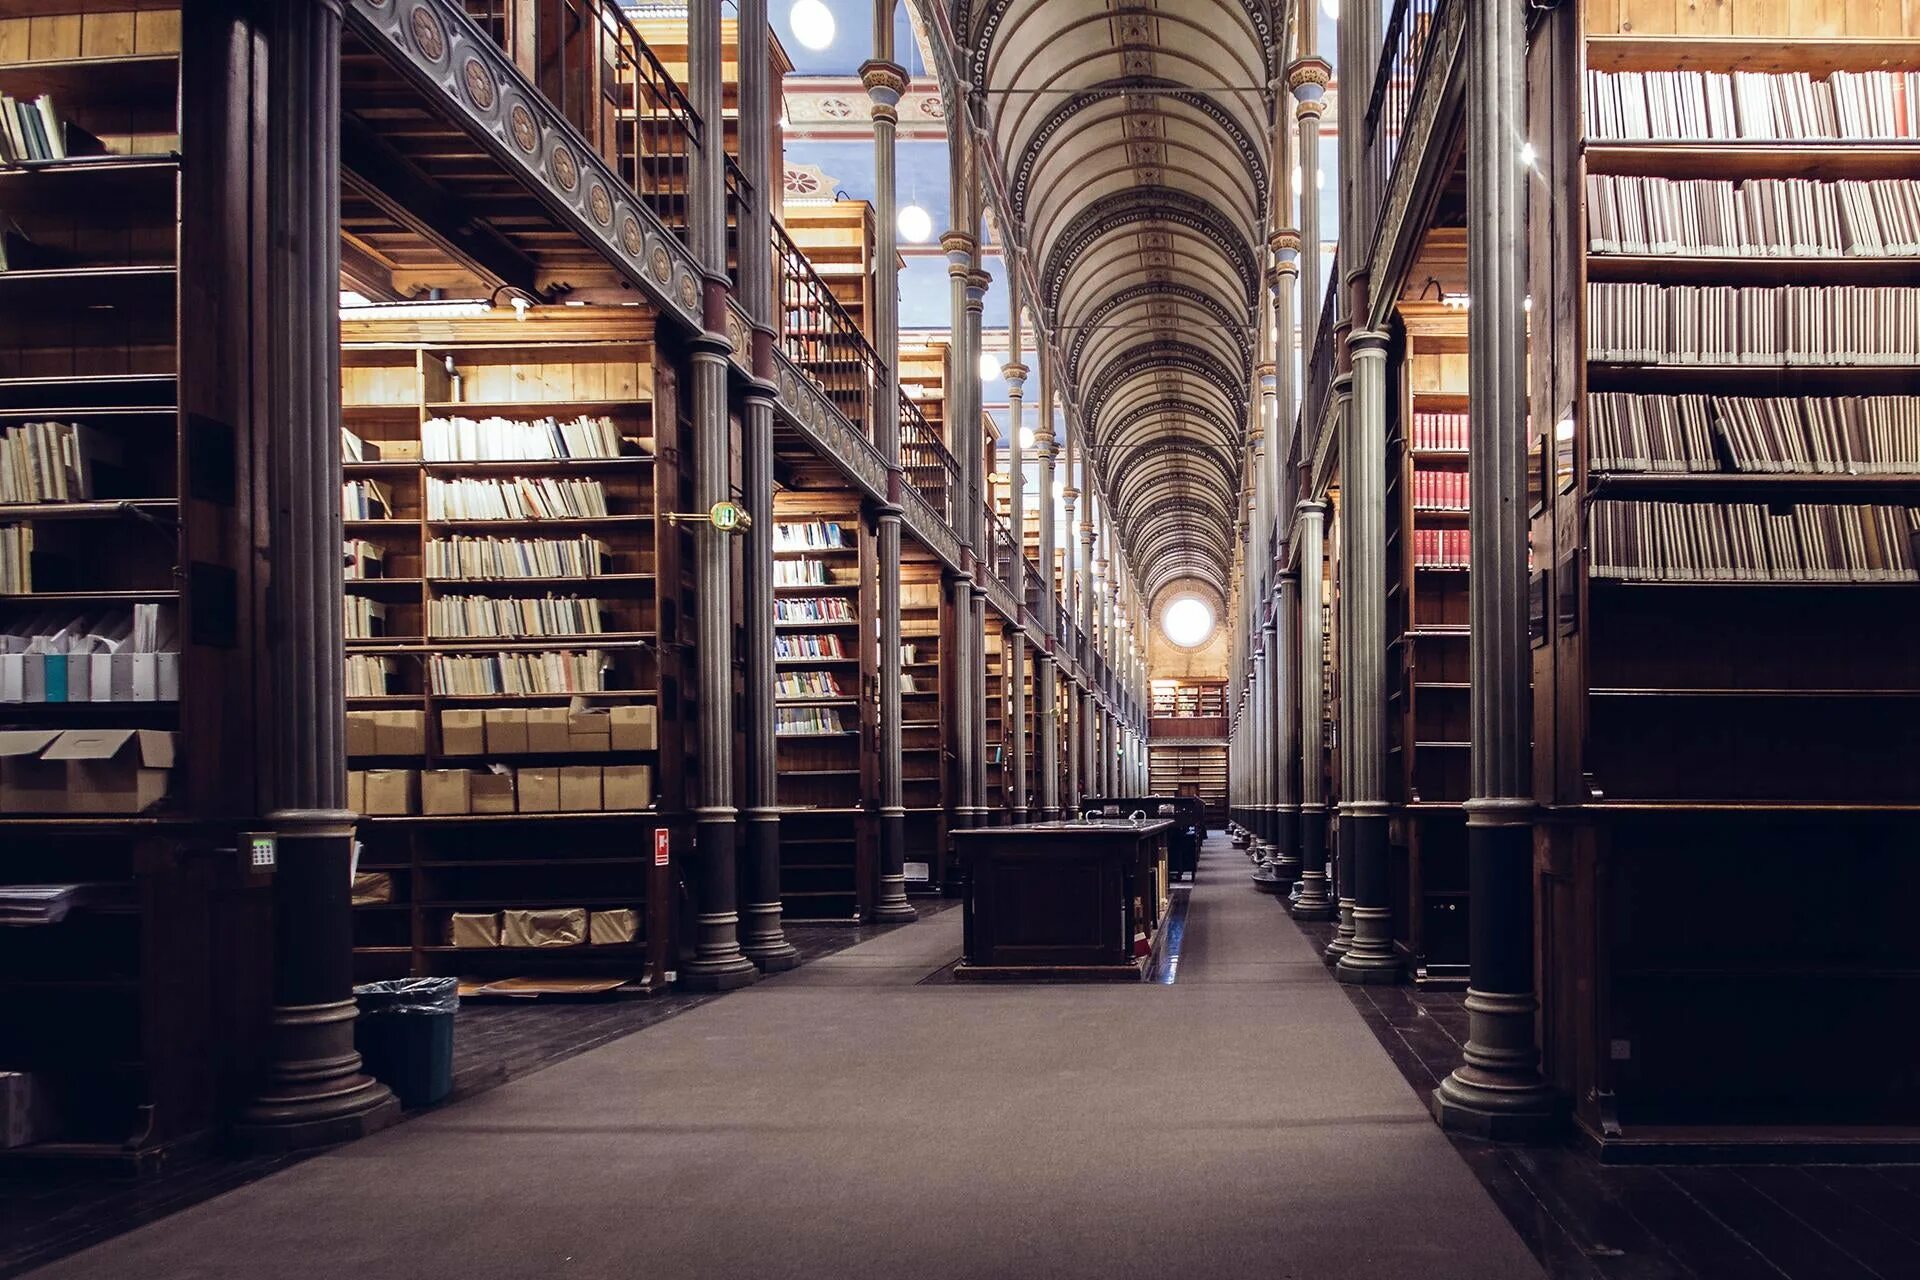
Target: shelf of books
[(1727, 439), (923, 726), (1177, 768), (1427, 614), (826, 638), (125, 580), (994, 730), (513, 614)]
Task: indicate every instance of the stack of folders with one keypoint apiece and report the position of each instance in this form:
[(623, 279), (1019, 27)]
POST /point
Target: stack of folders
[(16, 559), (1757, 218), (462, 557), (800, 573), (1758, 106), (807, 721), (1749, 542), (503, 440), (815, 534), (526, 498), (1814, 435), (121, 655), (37, 904), (1723, 325)]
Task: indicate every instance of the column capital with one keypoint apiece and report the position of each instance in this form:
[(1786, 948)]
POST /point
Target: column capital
[(1308, 509), (1016, 375), (1308, 78), (886, 82), (978, 283), (959, 247), (1284, 245), (1343, 386), (1368, 342)]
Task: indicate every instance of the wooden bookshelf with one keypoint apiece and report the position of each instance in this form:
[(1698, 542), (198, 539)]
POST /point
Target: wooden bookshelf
[(1198, 769), (838, 238), (110, 1009), (994, 731), (628, 583), (1427, 615), (825, 569), (923, 715), (1718, 754)]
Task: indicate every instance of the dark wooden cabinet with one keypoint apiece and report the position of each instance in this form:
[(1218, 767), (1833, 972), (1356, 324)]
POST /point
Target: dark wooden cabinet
[(1063, 900)]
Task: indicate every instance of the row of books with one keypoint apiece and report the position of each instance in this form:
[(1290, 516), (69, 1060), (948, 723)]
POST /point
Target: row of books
[(1730, 325), (16, 559), (554, 671), (1814, 435), (1440, 432), (369, 675), (525, 498), (31, 130), (807, 646), (52, 461), (364, 559), (365, 500), (1442, 548), (463, 557), (366, 619), (1439, 490), (794, 721), (813, 609), (127, 654), (810, 536), (1750, 542), (800, 573), (505, 440), (1760, 217), (481, 616), (806, 684), (1752, 105)]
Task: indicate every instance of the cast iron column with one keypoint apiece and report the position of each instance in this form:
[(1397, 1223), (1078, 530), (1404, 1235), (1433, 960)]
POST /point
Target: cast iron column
[(966, 641), (762, 940), (1370, 956), (1342, 392), (1498, 1091), (1286, 267), (974, 430), (1312, 901), (314, 1091), (1013, 650), (1309, 77), (1047, 666), (717, 964), (886, 82)]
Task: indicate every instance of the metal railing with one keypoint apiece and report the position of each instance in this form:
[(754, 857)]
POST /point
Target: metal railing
[(1003, 557), (1403, 61), (739, 213), (820, 336), (1320, 372), (929, 467), (587, 59)]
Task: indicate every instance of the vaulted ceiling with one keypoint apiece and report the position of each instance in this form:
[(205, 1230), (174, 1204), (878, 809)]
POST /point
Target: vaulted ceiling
[(1133, 139)]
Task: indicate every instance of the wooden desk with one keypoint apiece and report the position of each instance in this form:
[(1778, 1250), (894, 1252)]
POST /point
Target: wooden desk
[(1071, 901)]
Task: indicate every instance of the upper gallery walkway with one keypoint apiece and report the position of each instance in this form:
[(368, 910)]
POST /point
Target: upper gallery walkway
[(866, 1116)]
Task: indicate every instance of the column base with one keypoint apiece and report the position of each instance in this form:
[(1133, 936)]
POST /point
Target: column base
[(765, 943), (763, 940), (720, 976), (890, 905), (1311, 901), (1498, 1114), (1267, 880), (1369, 958), (316, 1094)]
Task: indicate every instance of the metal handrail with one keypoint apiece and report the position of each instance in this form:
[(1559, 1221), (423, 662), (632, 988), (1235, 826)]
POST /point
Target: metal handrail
[(1320, 372), (587, 59), (739, 213), (1403, 61), (929, 467), (820, 336)]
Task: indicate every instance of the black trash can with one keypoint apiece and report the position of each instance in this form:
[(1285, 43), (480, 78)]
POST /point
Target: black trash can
[(405, 1036)]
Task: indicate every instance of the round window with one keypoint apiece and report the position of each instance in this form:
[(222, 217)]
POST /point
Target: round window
[(1188, 622)]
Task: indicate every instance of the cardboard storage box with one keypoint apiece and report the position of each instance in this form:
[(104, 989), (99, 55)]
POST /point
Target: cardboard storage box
[(361, 738), (506, 731), (469, 929), (357, 790), (613, 928), (635, 728), (626, 786), (590, 730), (539, 790), (26, 1111), (492, 792), (547, 927), (29, 784), (371, 888), (391, 792), (580, 788), (114, 770), (400, 733), (463, 733), (399, 450), (547, 729), (446, 791)]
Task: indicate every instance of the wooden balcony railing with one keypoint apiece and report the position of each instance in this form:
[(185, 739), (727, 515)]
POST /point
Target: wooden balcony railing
[(587, 59), (820, 336)]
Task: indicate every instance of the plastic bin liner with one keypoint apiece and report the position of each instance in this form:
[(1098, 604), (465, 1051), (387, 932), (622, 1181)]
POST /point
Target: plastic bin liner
[(409, 996)]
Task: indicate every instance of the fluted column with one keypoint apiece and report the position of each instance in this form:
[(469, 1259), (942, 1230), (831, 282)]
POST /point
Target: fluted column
[(1498, 1091), (967, 640), (717, 962), (1312, 902), (1046, 668), (1343, 707), (1370, 957), (1014, 651), (313, 1091), (886, 81), (1285, 247), (762, 937), (974, 430), (1308, 77)]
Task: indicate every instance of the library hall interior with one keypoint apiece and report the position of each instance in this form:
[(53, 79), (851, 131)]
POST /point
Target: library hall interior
[(960, 639)]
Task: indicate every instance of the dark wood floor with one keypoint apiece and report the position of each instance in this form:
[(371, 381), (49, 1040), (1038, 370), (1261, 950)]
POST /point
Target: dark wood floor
[(1589, 1221), (45, 1217)]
